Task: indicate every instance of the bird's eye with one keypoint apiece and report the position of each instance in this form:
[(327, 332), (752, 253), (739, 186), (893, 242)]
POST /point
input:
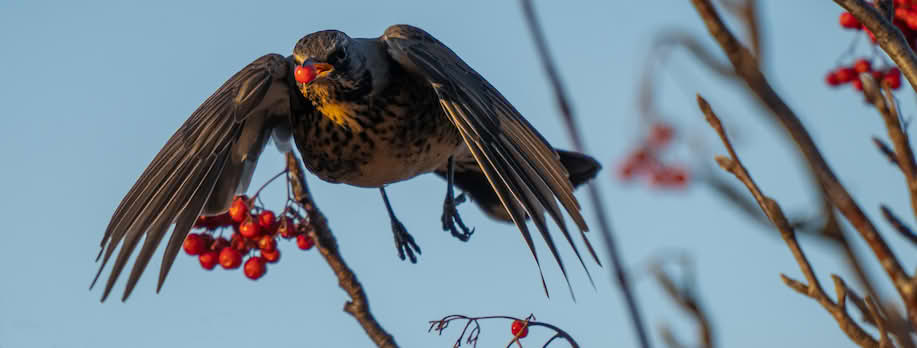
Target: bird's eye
[(337, 57)]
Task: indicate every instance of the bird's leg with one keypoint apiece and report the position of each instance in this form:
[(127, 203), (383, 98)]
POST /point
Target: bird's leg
[(450, 213), (404, 242)]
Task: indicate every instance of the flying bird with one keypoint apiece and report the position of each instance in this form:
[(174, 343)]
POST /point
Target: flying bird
[(365, 112)]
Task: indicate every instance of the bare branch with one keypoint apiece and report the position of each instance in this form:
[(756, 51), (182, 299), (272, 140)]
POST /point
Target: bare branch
[(899, 226), (746, 67), (471, 337), (773, 211), (358, 306), (688, 303)]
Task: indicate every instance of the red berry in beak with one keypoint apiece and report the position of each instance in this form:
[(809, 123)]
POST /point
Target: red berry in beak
[(304, 73)]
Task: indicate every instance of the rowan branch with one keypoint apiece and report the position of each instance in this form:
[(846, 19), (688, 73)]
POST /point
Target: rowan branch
[(746, 66), (472, 323), (358, 306), (884, 101), (812, 288)]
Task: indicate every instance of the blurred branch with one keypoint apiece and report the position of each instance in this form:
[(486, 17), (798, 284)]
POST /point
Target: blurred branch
[(576, 137), (688, 302), (746, 66), (885, 150), (773, 211), (358, 306), (747, 12), (899, 226)]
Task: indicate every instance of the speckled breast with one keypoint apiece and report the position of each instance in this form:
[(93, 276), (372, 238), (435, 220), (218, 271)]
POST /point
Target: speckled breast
[(378, 140)]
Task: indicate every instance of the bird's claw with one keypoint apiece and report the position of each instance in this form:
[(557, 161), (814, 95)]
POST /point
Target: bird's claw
[(404, 242), (451, 218)]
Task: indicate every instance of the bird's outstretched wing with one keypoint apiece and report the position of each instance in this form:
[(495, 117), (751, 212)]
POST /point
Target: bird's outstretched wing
[(201, 167), (522, 167)]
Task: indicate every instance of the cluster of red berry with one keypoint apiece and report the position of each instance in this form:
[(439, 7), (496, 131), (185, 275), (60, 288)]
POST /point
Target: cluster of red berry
[(906, 20), (254, 228), (890, 76), (645, 160)]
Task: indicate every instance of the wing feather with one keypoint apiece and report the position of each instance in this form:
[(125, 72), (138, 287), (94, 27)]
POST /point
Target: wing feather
[(180, 181), (522, 167)]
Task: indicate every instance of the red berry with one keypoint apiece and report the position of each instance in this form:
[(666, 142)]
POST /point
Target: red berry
[(254, 268), (249, 229), (858, 85), (862, 65), (893, 81), (627, 170), (267, 242), (678, 176), (848, 21), (893, 71), (640, 156), (304, 242), (238, 242), (271, 256), (238, 211), (230, 258), (194, 244), (519, 328), (304, 73), (208, 259), (670, 177), (877, 75), (845, 75), (832, 80), (660, 134), (266, 219), (286, 227)]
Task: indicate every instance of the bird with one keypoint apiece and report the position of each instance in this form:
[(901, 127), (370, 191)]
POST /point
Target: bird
[(366, 112)]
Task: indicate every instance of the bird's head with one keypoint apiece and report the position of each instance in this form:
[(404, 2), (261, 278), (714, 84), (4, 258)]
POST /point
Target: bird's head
[(330, 65)]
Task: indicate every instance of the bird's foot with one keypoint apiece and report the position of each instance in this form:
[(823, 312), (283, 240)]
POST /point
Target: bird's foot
[(404, 242), (451, 218)]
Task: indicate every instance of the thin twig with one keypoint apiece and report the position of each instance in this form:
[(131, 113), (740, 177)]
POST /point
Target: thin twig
[(746, 66), (885, 150), (773, 211), (883, 99), (688, 303), (899, 226), (598, 204), (358, 306)]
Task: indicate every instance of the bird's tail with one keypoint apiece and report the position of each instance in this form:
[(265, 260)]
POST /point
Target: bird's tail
[(472, 181)]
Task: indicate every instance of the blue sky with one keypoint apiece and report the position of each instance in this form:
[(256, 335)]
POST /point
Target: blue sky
[(91, 91)]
